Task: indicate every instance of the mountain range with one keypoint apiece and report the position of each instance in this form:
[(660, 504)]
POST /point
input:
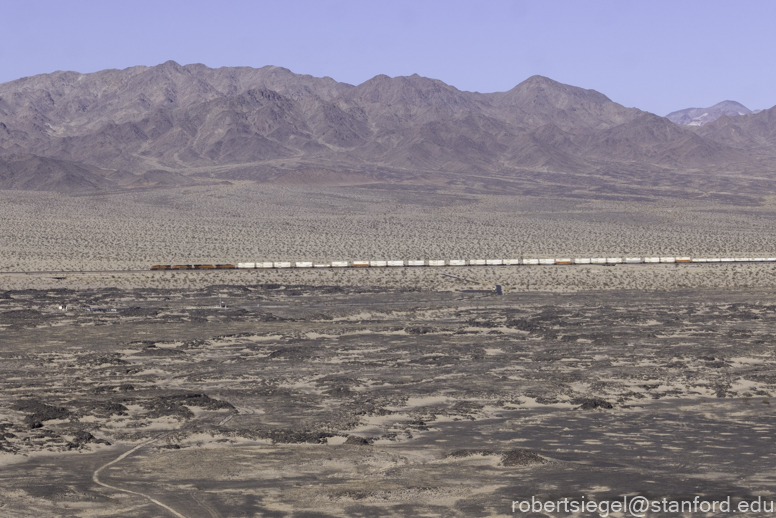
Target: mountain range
[(172, 125)]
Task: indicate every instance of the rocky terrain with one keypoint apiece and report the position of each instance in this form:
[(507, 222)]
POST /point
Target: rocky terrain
[(330, 401), (170, 125)]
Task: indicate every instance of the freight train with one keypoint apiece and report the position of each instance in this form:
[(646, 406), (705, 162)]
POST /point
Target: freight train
[(605, 261)]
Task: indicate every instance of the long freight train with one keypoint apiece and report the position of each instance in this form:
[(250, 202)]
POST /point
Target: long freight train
[(608, 261)]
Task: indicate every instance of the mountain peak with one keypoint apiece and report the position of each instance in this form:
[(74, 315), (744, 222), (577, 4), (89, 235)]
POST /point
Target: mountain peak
[(701, 116)]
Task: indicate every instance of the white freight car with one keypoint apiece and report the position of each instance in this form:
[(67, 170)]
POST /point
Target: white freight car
[(582, 260), (726, 260), (651, 259), (395, 263), (360, 264), (531, 261), (339, 264), (683, 259), (378, 263), (546, 261), (265, 264), (303, 264), (598, 260), (322, 265), (494, 262), (743, 259), (713, 260), (668, 259), (282, 264), (457, 262), (416, 263), (435, 262), (246, 265), (563, 260), (614, 260), (511, 262), (477, 262), (699, 260), (633, 260)]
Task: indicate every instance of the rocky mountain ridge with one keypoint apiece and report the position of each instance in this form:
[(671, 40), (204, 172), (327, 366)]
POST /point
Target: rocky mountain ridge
[(111, 129)]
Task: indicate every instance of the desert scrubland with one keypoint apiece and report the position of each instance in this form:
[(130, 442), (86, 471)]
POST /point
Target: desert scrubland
[(246, 221)]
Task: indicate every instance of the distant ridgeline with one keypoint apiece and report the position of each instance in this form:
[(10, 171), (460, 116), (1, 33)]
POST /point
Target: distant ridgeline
[(605, 261)]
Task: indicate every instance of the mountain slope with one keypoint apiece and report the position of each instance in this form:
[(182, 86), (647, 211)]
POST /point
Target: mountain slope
[(231, 121)]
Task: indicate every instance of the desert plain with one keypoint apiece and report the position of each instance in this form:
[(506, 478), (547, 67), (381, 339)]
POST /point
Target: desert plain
[(377, 392)]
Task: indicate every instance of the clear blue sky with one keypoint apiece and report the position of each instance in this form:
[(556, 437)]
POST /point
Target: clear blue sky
[(656, 55)]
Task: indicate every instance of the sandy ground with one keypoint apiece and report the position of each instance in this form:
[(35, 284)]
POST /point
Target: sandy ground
[(246, 222)]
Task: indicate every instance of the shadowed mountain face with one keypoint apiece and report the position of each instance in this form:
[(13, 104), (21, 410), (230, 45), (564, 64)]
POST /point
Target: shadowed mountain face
[(168, 124)]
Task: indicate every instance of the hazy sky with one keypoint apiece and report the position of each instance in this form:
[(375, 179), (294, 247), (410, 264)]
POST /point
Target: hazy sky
[(656, 55)]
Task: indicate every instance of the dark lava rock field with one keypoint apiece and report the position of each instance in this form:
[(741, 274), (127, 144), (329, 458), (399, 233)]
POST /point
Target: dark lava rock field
[(317, 401)]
